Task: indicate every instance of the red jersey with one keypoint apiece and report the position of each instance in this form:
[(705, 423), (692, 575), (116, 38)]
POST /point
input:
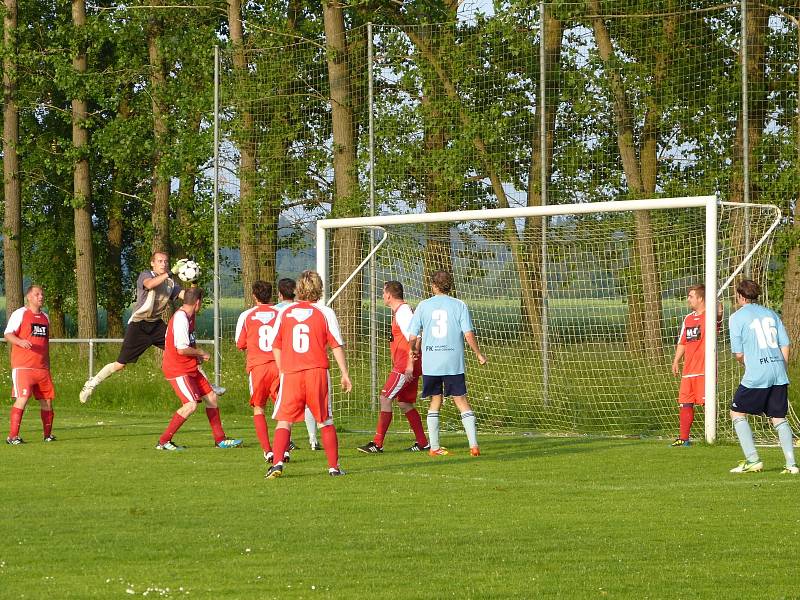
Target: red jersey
[(34, 327), (692, 337), (399, 346), (303, 333), (180, 335), (253, 332)]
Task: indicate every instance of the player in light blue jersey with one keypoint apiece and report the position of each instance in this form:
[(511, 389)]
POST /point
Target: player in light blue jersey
[(286, 296), (759, 341), (445, 324)]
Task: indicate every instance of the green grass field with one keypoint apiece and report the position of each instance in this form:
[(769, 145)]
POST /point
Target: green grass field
[(101, 514)]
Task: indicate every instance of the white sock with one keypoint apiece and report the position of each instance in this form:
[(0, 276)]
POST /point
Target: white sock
[(311, 426), (745, 435), (786, 440), (102, 374), (470, 426), (433, 429)]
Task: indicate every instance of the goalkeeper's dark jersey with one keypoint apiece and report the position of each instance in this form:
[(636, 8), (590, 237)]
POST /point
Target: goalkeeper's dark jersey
[(151, 304)]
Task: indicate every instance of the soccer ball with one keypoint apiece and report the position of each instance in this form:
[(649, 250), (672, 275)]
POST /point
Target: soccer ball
[(189, 271)]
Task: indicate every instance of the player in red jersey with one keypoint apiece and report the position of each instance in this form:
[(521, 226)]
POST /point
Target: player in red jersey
[(691, 348), (28, 332), (252, 334), (300, 339), (397, 386), (181, 368)]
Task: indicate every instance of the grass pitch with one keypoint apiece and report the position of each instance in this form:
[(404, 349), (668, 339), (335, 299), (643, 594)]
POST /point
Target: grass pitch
[(101, 514)]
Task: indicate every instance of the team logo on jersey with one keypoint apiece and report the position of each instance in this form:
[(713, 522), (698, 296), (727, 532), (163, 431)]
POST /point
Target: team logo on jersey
[(693, 333), (39, 330), (264, 317), (301, 314)]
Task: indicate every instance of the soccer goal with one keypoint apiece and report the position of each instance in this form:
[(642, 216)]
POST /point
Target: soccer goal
[(577, 307)]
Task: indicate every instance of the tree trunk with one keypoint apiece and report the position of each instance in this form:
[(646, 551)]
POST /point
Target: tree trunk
[(161, 181), (12, 220), (247, 143), (644, 297), (84, 251), (533, 290), (346, 243), (55, 313)]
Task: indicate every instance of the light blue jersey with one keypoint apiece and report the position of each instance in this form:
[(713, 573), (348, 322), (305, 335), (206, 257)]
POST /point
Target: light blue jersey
[(758, 333), (443, 320)]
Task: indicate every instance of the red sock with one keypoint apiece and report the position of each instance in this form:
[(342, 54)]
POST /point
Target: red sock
[(16, 419), (47, 421), (686, 417), (384, 420), (281, 443), (260, 421), (331, 444), (174, 424), (216, 424), (416, 426)]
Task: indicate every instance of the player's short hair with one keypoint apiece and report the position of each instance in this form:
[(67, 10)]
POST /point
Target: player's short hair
[(749, 289), (309, 286), (156, 253), (395, 289), (443, 281), (33, 286), (699, 290), (286, 288), (192, 295), (262, 290)]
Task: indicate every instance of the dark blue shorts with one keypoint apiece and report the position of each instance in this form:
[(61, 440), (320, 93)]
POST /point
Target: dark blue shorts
[(772, 401), (444, 385)]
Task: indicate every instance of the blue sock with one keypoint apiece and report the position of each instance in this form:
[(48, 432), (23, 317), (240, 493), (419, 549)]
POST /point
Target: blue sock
[(786, 441), (469, 421), (433, 429), (745, 435)]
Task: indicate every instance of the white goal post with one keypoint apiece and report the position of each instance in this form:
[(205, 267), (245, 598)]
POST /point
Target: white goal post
[(709, 204)]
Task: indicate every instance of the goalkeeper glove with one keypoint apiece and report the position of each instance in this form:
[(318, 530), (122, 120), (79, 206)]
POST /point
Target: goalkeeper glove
[(177, 266)]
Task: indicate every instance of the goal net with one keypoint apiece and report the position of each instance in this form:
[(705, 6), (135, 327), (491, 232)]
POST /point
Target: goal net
[(577, 312)]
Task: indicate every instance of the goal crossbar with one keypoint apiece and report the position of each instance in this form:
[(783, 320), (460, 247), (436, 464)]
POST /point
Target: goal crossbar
[(709, 203)]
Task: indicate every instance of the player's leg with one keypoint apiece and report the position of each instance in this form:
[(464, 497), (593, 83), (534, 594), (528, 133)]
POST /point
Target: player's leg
[(44, 392), (746, 401), (21, 386), (318, 400), (258, 386), (777, 407), (687, 397), (432, 387), (208, 396), (189, 399), (311, 428), (103, 374), (394, 383), (456, 386), (289, 407), (406, 401)]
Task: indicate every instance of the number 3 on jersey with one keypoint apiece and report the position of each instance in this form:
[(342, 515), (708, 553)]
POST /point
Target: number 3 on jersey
[(300, 341), (440, 319)]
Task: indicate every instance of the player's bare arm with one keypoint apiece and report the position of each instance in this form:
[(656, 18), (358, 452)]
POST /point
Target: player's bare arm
[(785, 352), (680, 349), (740, 357), (189, 351), (472, 341), (338, 354), (413, 354), (276, 353), (18, 341)]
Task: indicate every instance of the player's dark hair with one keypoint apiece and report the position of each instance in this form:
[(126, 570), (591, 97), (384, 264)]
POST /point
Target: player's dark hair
[(156, 253), (443, 281), (262, 290), (748, 289), (286, 288), (395, 289), (33, 286), (192, 295), (699, 290)]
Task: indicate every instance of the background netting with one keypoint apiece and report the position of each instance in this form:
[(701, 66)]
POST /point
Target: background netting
[(594, 357)]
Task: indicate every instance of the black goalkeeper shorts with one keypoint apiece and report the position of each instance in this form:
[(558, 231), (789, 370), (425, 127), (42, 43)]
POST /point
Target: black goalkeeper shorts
[(139, 336)]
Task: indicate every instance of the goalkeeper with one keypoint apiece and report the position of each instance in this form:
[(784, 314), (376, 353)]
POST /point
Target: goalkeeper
[(155, 289)]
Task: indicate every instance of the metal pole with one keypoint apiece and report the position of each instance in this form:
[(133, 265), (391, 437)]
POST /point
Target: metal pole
[(373, 276), (216, 218), (91, 358), (711, 321), (745, 134), (543, 185)]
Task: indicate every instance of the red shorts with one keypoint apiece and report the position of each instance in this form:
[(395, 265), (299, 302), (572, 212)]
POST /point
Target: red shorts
[(264, 381), (191, 387), (397, 387), (32, 382), (311, 388), (693, 390)]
